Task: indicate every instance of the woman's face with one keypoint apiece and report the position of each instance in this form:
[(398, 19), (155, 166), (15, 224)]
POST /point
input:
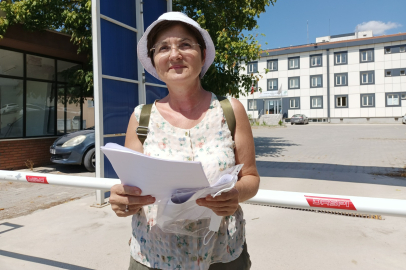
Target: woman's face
[(177, 57)]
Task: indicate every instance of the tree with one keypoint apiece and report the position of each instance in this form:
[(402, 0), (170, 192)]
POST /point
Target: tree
[(223, 19)]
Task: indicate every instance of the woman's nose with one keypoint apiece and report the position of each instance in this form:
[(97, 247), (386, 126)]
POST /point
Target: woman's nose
[(174, 53)]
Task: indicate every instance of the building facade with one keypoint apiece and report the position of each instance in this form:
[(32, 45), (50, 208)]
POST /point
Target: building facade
[(350, 78)]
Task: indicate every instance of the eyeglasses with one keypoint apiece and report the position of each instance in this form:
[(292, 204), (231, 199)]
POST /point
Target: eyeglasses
[(164, 48)]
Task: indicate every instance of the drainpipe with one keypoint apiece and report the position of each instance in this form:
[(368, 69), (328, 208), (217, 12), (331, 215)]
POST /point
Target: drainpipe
[(328, 85)]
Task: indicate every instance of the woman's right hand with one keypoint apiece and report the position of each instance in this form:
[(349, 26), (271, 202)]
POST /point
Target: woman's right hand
[(121, 196)]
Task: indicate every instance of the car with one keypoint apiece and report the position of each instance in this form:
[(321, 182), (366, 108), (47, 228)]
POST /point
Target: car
[(299, 119), (404, 119), (75, 148), (8, 108)]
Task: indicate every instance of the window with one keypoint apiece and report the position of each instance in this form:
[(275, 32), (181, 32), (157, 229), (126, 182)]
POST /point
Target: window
[(402, 72), (367, 100), (342, 101), (294, 103), (252, 67), (315, 60), (392, 99), (252, 105), (402, 48), (316, 81), (272, 84), (340, 58), (387, 50), (316, 102), (11, 108), (254, 86), (366, 55), (403, 96), (294, 83), (340, 79), (273, 65), (294, 63), (11, 63), (388, 73), (367, 77)]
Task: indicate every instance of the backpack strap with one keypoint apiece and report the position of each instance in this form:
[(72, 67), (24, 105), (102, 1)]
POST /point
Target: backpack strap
[(228, 113), (142, 130)]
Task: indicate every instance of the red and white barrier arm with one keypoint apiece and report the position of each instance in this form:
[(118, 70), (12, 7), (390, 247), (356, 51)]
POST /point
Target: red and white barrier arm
[(361, 205)]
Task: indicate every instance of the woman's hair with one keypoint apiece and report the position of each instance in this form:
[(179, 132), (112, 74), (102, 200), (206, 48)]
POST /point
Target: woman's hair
[(165, 25)]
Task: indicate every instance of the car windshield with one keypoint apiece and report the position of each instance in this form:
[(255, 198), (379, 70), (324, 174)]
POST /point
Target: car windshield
[(296, 115)]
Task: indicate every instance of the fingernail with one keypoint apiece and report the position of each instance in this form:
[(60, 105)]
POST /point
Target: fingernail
[(151, 199), (137, 192)]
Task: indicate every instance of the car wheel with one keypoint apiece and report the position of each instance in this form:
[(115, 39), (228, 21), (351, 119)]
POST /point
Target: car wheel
[(90, 160)]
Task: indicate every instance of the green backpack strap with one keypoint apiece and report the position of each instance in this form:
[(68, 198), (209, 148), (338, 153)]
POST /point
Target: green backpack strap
[(228, 113), (142, 130)]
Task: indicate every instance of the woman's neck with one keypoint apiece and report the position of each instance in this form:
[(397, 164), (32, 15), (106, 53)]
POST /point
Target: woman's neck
[(187, 97)]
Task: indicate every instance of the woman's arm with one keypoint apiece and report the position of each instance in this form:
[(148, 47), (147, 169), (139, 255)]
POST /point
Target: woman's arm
[(248, 182)]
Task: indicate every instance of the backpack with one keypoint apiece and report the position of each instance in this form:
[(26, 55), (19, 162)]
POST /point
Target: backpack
[(142, 129)]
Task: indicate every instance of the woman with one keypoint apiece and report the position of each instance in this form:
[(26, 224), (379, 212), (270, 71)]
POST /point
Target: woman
[(188, 124)]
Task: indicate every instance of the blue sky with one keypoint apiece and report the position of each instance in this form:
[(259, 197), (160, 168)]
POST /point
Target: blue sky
[(285, 23)]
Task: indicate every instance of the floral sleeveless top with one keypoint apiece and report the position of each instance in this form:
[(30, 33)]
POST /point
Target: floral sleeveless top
[(211, 143)]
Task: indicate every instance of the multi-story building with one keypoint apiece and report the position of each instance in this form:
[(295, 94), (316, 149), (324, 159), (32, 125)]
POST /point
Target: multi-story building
[(344, 78)]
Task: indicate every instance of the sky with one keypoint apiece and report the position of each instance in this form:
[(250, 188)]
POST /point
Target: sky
[(285, 23)]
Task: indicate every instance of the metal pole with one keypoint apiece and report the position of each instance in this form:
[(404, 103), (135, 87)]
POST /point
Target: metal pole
[(336, 203)]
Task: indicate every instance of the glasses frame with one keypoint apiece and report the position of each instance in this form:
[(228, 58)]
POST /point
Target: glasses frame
[(177, 46)]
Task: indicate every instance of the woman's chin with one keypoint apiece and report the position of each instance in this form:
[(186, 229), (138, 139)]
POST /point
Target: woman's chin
[(179, 77)]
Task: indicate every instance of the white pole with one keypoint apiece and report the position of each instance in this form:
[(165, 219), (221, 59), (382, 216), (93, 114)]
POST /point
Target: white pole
[(98, 96), (142, 98), (336, 203)]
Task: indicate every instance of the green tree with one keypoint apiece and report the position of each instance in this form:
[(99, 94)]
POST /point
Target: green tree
[(224, 20)]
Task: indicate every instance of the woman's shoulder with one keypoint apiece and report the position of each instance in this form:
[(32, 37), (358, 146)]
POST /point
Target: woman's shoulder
[(137, 111)]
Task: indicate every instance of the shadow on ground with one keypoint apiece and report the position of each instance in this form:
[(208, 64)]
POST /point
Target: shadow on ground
[(332, 172), (66, 169), (271, 146)]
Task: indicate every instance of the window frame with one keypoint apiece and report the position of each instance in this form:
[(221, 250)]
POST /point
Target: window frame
[(298, 62), (295, 77), (272, 61), (55, 82), (399, 99), (255, 103), (368, 72), (336, 103), (296, 101), (316, 55), (340, 74), (365, 95), (341, 53), (267, 84), (311, 102), (366, 50), (314, 76), (254, 65)]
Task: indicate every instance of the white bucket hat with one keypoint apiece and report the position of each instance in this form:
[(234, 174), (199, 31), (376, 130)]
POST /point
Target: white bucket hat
[(142, 50)]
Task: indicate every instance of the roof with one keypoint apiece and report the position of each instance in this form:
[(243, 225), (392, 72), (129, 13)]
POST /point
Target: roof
[(335, 44)]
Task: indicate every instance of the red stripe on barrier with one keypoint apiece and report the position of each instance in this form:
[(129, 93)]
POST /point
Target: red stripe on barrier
[(325, 202), (36, 179)]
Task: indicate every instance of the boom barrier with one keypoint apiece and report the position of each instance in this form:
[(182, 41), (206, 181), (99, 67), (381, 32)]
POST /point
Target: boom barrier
[(336, 203)]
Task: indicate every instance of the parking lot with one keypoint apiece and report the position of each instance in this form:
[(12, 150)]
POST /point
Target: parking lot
[(356, 160)]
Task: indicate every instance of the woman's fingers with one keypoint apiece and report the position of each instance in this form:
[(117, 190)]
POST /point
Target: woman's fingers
[(120, 210)]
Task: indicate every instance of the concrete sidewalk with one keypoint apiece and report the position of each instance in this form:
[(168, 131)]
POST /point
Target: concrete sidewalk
[(74, 235)]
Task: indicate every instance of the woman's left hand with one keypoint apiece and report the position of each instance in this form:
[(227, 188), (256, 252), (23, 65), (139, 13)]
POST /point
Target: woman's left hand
[(224, 205)]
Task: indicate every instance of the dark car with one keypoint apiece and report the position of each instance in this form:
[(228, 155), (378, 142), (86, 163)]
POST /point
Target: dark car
[(299, 119), (75, 148)]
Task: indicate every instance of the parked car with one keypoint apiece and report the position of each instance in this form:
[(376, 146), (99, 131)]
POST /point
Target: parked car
[(299, 119), (8, 108), (75, 148), (404, 119)]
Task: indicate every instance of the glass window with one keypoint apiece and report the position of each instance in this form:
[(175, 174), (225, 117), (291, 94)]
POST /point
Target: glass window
[(40, 109), (402, 72), (273, 65), (294, 103), (341, 79), (60, 110), (403, 96), (367, 77), (367, 100), (72, 110), (11, 63), (254, 86), (294, 83), (392, 99), (272, 84), (315, 61), (402, 48), (387, 50), (252, 67), (316, 81), (11, 105), (341, 101), (66, 70), (316, 102), (340, 58), (367, 56), (252, 105), (39, 67), (294, 63)]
